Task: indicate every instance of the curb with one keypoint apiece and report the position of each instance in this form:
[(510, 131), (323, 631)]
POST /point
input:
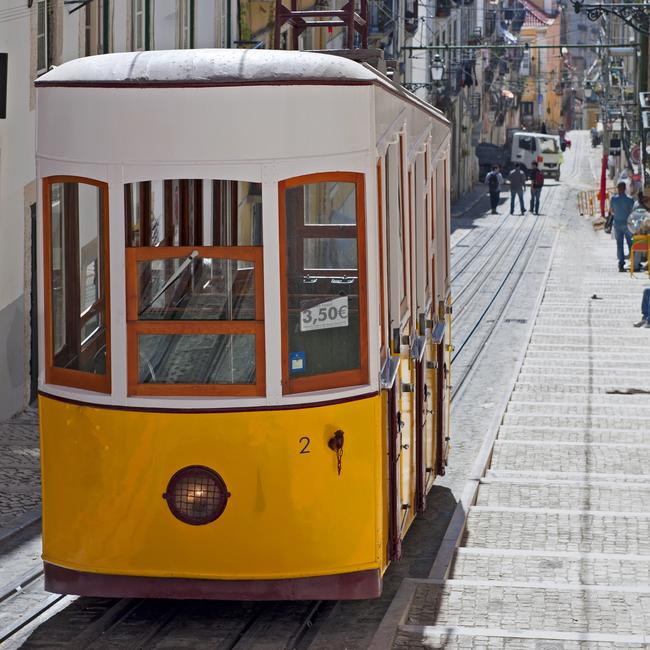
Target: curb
[(20, 523), (473, 204)]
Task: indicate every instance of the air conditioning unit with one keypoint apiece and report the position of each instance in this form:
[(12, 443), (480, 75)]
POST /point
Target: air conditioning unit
[(644, 100), (645, 116)]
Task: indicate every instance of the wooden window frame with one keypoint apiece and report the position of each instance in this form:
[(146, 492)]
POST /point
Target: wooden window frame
[(343, 378), (43, 38), (66, 376), (136, 327), (186, 12), (143, 35)]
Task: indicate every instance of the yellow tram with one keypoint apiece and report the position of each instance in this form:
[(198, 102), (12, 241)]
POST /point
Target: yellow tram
[(245, 323)]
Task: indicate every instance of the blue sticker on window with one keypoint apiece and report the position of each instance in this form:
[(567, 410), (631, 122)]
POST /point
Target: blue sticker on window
[(296, 362)]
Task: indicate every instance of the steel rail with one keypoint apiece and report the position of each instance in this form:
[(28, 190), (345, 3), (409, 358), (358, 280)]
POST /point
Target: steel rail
[(483, 272)]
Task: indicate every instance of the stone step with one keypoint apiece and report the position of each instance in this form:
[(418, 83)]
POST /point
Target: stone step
[(606, 406), (567, 434), (503, 605), (589, 458), (624, 357), (555, 531), (598, 495), (559, 325), (583, 400), (600, 387), (634, 337), (416, 638), (635, 350), (574, 421), (570, 568), (531, 371)]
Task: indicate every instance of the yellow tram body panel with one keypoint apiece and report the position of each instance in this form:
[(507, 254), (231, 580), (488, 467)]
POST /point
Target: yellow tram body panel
[(290, 514)]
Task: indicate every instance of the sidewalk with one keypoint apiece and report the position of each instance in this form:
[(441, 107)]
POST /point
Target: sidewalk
[(20, 472), (556, 548), (469, 200)]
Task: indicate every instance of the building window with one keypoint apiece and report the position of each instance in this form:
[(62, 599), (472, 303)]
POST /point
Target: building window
[(140, 18), (526, 109), (185, 24), (322, 266), (76, 283), (195, 296), (43, 24), (96, 27)]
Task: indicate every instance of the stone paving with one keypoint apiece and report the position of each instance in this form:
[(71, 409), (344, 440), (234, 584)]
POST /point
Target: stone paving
[(556, 550), (20, 471)]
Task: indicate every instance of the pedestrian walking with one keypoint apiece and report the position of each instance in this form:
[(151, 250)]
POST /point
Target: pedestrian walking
[(517, 178), (620, 207), (494, 180), (536, 184), (645, 310)]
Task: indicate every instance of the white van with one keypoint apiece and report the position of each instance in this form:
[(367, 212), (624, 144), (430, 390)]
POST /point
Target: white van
[(542, 148)]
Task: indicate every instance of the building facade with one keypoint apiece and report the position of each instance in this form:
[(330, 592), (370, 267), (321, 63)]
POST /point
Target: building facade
[(35, 35)]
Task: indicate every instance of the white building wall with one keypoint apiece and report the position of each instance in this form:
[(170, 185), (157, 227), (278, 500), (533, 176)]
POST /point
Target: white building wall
[(17, 167), (16, 193)]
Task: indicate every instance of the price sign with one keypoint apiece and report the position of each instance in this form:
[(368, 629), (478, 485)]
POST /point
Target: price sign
[(325, 315)]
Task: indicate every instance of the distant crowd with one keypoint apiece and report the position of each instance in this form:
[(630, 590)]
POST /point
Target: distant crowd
[(518, 182), (626, 217)]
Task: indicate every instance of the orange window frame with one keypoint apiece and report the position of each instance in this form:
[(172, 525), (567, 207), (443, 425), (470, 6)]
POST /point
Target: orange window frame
[(343, 378), (66, 376), (136, 327)]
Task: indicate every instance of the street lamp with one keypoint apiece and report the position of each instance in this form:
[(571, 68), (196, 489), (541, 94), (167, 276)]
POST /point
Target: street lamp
[(636, 15), (437, 69)]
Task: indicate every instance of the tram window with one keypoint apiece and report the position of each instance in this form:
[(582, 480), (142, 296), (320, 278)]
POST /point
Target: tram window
[(196, 358), (76, 283), (237, 211), (177, 212), (396, 260), (195, 320), (324, 310), (196, 288)]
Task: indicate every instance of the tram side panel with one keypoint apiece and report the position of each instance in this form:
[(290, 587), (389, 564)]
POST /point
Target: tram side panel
[(289, 513)]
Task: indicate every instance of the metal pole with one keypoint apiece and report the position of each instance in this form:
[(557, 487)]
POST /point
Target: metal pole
[(642, 86), (603, 169)]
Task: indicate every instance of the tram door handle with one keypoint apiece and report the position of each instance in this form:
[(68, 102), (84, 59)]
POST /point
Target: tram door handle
[(343, 280)]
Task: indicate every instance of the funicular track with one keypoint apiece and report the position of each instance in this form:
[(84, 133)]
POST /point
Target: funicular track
[(142, 623)]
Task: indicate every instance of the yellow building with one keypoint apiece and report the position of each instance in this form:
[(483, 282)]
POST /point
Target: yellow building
[(541, 99)]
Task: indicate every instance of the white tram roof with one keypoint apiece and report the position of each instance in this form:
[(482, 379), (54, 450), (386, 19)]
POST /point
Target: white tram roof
[(222, 67), (207, 67)]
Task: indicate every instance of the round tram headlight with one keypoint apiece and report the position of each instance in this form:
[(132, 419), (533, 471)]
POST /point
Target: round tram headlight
[(196, 495)]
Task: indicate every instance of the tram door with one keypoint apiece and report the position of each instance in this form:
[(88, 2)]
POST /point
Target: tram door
[(420, 351), (401, 432)]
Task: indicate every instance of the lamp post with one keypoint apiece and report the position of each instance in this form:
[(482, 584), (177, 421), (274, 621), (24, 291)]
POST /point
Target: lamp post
[(437, 70)]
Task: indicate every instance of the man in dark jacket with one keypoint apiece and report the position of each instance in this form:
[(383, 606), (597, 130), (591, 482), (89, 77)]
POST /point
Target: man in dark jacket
[(536, 184), (517, 178), (493, 180)]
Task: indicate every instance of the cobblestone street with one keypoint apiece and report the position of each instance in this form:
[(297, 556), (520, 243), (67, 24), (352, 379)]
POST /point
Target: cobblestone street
[(20, 476), (556, 550)]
